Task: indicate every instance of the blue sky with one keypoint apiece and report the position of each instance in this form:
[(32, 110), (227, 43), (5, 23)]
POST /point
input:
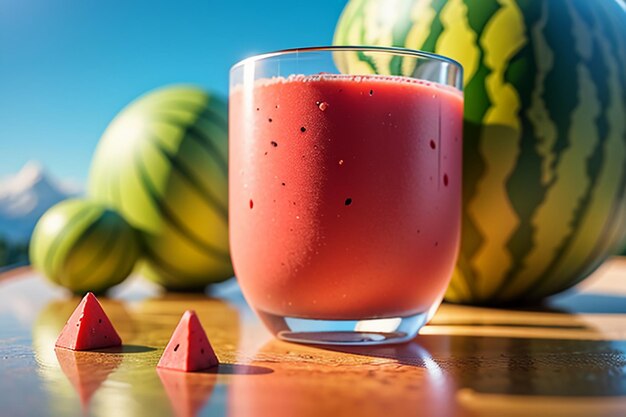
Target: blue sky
[(67, 67)]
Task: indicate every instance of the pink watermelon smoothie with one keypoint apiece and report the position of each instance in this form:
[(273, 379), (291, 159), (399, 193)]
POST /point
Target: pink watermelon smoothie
[(345, 194)]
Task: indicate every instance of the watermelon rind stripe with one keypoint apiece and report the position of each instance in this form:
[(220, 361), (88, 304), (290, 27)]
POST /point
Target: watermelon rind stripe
[(129, 255), (453, 292), (460, 283), (474, 166), (499, 140), (65, 274), (200, 136), (560, 272), (178, 226), (561, 96), (215, 133), (436, 27), (561, 86), (203, 131), (174, 275), (115, 241), (612, 12), (475, 87), (206, 194), (527, 175), (554, 271), (126, 261), (76, 252), (79, 223)]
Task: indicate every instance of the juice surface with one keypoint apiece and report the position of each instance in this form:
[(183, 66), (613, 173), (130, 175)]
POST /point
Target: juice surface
[(345, 194)]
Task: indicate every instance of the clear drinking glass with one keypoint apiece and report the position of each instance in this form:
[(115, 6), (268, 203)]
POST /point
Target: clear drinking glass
[(345, 190)]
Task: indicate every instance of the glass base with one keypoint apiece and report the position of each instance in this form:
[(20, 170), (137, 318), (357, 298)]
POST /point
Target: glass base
[(345, 332)]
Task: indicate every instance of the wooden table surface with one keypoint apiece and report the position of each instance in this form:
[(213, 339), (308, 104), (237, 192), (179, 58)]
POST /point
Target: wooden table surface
[(566, 358)]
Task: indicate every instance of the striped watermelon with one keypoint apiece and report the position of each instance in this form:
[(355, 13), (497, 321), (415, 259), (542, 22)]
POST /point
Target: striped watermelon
[(162, 162), (545, 135), (84, 246)]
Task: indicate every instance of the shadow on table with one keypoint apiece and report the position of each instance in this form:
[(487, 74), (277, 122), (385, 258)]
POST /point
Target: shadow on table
[(571, 301), (587, 303), (515, 365), (235, 369), (125, 349), (499, 376)]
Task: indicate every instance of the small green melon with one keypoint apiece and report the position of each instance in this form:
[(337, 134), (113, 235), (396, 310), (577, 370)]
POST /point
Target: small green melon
[(84, 246)]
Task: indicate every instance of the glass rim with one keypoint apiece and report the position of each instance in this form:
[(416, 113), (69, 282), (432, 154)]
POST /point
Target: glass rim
[(351, 48)]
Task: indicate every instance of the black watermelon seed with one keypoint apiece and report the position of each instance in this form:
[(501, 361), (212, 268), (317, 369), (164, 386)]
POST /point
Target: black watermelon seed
[(348, 201), (432, 144), (251, 203), (445, 179), (269, 120), (371, 92), (303, 129), (274, 144), (176, 348)]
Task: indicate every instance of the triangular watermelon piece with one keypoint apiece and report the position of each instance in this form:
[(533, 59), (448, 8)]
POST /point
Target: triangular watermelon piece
[(189, 349), (188, 392), (88, 328)]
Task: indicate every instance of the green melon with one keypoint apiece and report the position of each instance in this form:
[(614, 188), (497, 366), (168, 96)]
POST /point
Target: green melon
[(84, 246), (162, 162), (545, 132)]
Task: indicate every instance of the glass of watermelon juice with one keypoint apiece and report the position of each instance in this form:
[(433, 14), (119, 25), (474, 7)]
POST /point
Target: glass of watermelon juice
[(345, 190)]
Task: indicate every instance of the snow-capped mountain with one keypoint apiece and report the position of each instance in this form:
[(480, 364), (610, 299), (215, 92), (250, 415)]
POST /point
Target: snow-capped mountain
[(24, 197)]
